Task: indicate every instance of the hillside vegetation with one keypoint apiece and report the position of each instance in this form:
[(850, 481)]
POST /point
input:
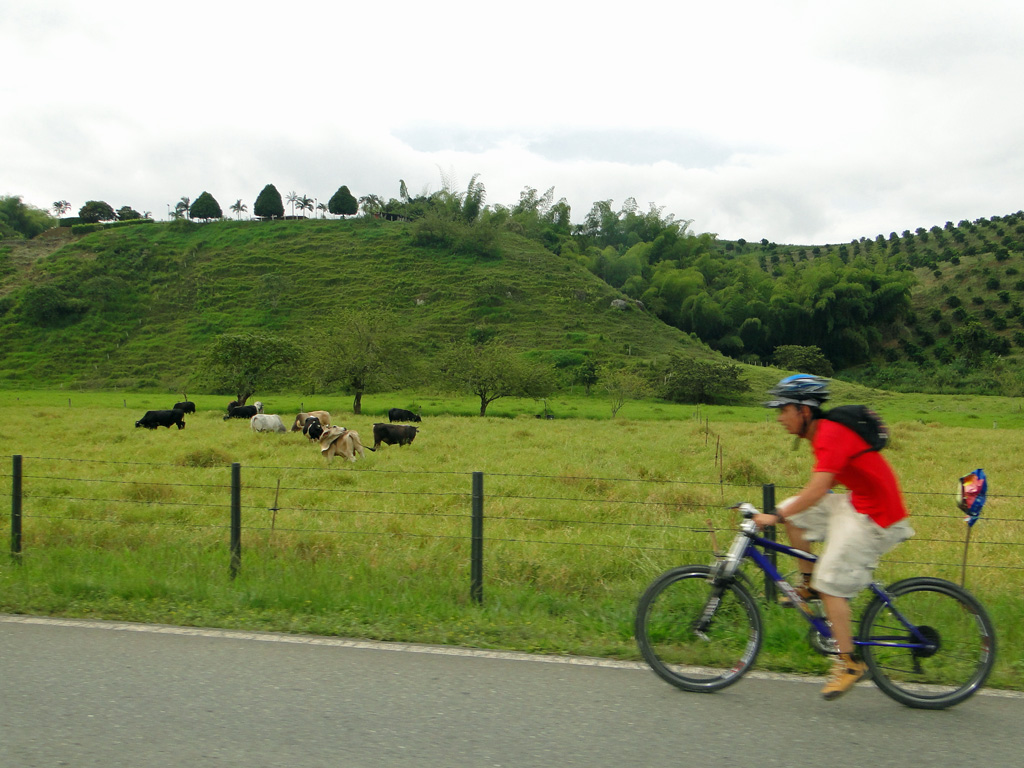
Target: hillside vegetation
[(937, 310), (134, 307)]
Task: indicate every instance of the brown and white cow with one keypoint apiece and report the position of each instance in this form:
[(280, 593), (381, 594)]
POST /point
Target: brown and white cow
[(338, 441), (300, 419)]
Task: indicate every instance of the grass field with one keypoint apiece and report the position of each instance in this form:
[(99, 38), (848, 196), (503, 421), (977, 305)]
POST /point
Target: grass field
[(581, 512)]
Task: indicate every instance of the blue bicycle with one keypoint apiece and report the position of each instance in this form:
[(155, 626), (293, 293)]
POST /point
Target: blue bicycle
[(927, 642)]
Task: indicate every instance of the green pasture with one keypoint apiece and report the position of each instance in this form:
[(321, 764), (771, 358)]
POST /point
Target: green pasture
[(581, 512)]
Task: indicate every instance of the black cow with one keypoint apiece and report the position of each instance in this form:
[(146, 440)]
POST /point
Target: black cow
[(393, 434), (154, 419), (312, 428), (240, 411), (186, 407), (400, 414)]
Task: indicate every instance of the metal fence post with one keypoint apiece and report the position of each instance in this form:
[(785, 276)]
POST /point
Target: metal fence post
[(236, 518), (476, 576), (16, 508), (768, 505)]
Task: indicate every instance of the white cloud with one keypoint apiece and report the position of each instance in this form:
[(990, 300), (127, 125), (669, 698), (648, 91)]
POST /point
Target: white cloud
[(799, 121)]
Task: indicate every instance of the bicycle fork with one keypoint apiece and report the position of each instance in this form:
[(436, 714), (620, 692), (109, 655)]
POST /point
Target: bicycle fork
[(704, 622)]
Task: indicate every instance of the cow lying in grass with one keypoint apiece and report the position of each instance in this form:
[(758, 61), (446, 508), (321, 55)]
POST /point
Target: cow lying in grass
[(338, 441), (236, 411), (267, 422)]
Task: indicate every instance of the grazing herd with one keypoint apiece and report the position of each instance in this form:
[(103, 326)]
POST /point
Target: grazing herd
[(332, 439)]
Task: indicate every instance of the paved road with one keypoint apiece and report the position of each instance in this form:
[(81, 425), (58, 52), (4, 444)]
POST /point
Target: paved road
[(82, 694)]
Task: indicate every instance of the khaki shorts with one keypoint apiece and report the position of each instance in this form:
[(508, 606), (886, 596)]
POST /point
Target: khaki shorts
[(853, 543)]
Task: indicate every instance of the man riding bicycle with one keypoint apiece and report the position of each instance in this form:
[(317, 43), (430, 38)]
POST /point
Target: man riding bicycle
[(858, 527)]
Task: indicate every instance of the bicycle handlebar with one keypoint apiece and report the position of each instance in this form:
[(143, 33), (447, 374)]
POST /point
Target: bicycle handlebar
[(748, 510)]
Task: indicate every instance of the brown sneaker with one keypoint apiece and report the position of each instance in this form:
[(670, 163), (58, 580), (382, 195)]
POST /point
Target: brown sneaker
[(846, 671), (805, 590)]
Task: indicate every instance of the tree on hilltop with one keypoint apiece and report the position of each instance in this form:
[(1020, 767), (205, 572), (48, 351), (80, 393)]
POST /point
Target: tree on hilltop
[(60, 207), (205, 207), (95, 211), (268, 204), (182, 207), (343, 203), (127, 213), (238, 207)]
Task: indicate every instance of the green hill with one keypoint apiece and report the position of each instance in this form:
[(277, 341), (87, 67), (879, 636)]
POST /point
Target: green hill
[(134, 307), (934, 310)]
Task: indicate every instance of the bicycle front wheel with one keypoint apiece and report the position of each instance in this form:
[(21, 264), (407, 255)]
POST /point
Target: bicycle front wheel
[(690, 640), (960, 650)]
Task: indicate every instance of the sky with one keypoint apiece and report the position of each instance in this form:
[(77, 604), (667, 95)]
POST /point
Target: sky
[(800, 121)]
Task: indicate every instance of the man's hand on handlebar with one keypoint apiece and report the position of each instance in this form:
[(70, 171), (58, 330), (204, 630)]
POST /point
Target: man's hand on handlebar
[(763, 519)]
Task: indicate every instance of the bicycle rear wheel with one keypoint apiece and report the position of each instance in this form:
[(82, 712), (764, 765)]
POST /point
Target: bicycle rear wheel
[(680, 650), (961, 643)]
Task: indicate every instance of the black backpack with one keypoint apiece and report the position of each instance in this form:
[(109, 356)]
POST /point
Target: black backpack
[(864, 421)]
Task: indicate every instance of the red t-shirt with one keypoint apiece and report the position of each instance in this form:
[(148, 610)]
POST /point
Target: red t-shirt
[(874, 490)]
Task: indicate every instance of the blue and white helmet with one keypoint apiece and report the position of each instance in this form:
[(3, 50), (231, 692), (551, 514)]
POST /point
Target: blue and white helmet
[(799, 389)]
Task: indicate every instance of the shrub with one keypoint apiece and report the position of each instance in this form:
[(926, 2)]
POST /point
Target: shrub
[(808, 359), (48, 305), (343, 203)]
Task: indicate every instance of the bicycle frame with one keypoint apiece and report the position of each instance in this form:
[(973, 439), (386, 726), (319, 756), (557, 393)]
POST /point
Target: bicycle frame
[(762, 561)]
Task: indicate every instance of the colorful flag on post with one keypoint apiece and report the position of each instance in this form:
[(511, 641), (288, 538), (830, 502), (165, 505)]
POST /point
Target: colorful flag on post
[(971, 495)]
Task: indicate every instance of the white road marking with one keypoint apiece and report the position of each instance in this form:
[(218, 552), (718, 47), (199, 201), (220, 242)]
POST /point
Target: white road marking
[(436, 650)]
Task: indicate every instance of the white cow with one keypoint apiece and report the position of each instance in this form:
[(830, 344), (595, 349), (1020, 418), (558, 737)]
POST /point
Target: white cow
[(267, 422)]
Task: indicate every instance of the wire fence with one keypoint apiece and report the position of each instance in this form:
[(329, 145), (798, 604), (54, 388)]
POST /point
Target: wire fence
[(667, 521)]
